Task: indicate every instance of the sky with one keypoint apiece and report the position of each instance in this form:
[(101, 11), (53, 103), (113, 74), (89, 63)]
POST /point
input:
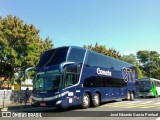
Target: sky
[(125, 25)]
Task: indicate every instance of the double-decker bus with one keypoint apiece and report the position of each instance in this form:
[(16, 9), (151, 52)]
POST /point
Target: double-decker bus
[(70, 76), (149, 87)]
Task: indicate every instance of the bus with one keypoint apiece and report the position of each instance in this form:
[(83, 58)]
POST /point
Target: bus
[(149, 87), (71, 76)]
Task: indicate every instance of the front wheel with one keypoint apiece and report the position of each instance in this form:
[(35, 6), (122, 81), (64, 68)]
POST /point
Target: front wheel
[(96, 100), (85, 101), (156, 95)]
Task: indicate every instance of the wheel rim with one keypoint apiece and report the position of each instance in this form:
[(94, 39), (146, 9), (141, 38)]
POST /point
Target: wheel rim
[(85, 101), (128, 96), (96, 100), (132, 96)]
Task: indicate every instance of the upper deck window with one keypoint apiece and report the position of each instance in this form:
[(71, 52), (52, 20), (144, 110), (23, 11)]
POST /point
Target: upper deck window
[(53, 57), (98, 60), (76, 55)]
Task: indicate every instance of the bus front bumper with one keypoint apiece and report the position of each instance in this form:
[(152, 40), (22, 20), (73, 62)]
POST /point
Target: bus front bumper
[(146, 94), (42, 102)]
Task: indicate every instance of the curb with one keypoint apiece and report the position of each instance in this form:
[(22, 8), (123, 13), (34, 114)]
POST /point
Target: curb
[(12, 108), (4, 109)]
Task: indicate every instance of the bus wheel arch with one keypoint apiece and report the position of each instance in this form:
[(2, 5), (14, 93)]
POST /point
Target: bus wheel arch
[(96, 99)]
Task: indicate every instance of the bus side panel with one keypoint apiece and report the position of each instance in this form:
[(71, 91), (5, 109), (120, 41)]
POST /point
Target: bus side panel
[(158, 90)]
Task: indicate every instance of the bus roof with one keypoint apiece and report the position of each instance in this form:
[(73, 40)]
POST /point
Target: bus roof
[(95, 53)]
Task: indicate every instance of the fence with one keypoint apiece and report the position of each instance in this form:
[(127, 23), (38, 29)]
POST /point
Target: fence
[(8, 97)]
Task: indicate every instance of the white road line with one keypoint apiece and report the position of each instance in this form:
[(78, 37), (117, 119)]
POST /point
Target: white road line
[(148, 102), (158, 118), (157, 103), (135, 101)]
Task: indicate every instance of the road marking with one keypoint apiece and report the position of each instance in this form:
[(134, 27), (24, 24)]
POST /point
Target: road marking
[(134, 104), (157, 103), (158, 118), (148, 102)]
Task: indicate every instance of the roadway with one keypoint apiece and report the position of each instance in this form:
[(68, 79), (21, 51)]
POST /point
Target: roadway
[(136, 107)]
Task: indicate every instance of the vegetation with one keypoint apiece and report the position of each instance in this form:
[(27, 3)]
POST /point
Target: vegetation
[(102, 49), (20, 46), (149, 63)]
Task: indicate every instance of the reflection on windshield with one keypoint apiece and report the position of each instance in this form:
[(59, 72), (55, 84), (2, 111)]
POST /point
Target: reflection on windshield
[(48, 81), (144, 85)]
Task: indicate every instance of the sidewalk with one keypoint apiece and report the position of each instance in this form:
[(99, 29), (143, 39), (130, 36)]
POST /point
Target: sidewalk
[(14, 106)]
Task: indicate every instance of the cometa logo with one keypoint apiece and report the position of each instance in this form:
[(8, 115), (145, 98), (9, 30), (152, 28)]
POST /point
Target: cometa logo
[(103, 72)]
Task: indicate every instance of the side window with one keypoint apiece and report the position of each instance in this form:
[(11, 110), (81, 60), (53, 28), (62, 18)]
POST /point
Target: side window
[(158, 84), (95, 59), (93, 82), (153, 83), (70, 79), (71, 75)]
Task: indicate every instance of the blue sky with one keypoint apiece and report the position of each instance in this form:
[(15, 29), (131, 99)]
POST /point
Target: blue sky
[(125, 25)]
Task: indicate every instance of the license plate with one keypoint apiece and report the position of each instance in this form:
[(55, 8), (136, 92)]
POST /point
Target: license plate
[(42, 104)]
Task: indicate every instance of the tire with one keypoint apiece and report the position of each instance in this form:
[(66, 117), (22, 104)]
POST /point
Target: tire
[(132, 96), (85, 101), (128, 96), (96, 100)]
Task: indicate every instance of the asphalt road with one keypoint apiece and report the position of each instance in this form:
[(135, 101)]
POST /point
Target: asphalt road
[(139, 108)]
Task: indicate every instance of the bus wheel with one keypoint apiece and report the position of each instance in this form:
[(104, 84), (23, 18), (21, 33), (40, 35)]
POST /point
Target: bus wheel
[(128, 96), (96, 100), (132, 96), (85, 101)]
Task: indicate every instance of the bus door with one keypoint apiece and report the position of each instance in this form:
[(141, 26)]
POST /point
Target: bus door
[(71, 79)]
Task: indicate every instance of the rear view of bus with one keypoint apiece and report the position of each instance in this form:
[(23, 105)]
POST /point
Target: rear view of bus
[(149, 87)]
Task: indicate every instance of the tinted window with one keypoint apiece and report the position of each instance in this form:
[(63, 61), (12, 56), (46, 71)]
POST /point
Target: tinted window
[(98, 60), (53, 57), (72, 75), (98, 81), (76, 55)]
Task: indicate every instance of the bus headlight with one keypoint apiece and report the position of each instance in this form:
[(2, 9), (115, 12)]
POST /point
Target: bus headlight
[(58, 102)]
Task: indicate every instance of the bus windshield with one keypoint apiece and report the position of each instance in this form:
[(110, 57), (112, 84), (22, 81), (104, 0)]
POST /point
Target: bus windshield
[(145, 85), (51, 57), (48, 81)]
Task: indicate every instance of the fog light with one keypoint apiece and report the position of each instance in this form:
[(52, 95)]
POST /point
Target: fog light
[(58, 102)]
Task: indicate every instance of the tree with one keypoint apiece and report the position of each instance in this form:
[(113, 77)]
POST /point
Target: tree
[(150, 62), (156, 73), (20, 46), (131, 58), (103, 50)]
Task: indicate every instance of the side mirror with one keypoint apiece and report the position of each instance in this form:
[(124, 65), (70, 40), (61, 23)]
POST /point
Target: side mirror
[(25, 72)]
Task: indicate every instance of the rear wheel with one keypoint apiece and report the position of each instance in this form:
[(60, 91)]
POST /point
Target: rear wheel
[(96, 100), (85, 101), (128, 96), (132, 96)]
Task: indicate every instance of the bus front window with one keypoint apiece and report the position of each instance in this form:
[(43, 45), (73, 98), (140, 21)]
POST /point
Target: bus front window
[(144, 86), (48, 81)]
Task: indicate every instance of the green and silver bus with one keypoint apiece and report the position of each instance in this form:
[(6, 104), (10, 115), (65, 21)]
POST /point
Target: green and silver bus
[(149, 87)]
